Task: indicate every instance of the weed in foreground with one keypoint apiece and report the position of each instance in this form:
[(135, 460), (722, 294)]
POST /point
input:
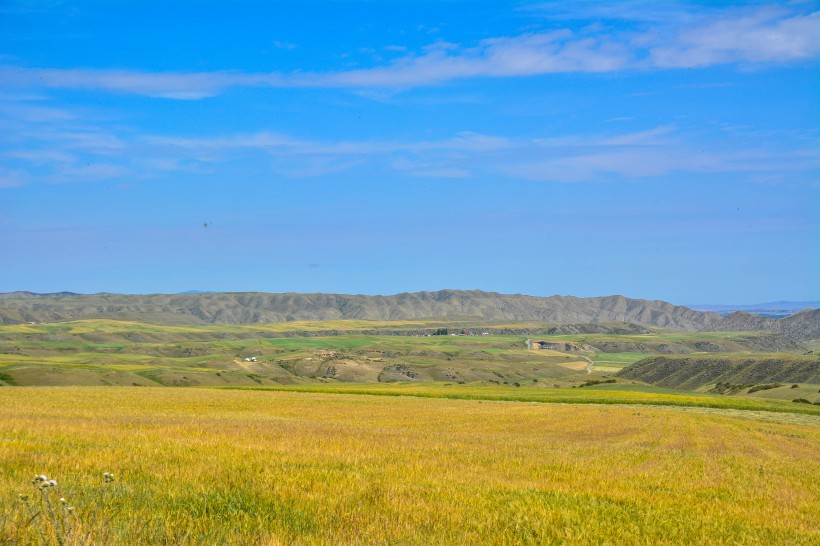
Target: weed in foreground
[(56, 521)]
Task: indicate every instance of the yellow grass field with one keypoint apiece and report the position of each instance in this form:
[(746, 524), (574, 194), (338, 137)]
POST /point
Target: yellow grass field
[(211, 466)]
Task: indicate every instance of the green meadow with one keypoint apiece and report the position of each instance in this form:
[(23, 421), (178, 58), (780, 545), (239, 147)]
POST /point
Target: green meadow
[(108, 352)]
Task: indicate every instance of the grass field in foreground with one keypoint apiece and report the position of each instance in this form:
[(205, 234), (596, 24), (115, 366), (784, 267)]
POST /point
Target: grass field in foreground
[(210, 466)]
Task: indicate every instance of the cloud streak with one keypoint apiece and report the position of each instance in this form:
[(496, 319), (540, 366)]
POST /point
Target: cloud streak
[(655, 151), (737, 35), (77, 154), (766, 35)]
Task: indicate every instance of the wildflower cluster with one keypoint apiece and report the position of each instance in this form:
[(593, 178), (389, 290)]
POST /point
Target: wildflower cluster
[(59, 520), (41, 481)]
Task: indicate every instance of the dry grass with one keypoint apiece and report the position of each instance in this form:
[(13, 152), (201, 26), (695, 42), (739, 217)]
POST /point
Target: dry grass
[(199, 466), (599, 394)]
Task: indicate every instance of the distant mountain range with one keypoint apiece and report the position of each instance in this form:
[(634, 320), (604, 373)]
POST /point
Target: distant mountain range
[(260, 307), (774, 309)]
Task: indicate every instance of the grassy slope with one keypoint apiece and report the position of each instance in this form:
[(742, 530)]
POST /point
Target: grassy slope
[(434, 358), (114, 330), (88, 352), (697, 371), (105, 352), (208, 466), (613, 362)]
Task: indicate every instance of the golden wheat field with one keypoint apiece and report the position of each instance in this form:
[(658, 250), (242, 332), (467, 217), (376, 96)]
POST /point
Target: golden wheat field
[(208, 466)]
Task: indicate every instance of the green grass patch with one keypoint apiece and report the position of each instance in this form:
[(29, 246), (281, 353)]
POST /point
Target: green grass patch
[(618, 360)]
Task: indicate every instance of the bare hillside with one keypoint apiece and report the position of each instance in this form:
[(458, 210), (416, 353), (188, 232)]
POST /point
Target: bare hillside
[(802, 325), (260, 307), (255, 307)]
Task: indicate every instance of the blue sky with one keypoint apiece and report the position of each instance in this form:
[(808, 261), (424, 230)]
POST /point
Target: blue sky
[(660, 150)]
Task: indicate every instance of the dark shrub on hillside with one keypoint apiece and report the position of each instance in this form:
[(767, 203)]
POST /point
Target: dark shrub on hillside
[(597, 382), (764, 387)]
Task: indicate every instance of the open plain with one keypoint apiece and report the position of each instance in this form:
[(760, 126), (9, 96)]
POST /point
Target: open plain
[(213, 466), (351, 272), (407, 432)]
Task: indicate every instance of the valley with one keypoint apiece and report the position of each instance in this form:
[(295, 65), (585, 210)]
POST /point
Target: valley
[(464, 352), (448, 429)]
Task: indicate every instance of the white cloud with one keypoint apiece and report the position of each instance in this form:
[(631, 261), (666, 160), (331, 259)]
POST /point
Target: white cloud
[(283, 45), (764, 35), (261, 140), (666, 38), (11, 178), (89, 172), (39, 156), (33, 114), (570, 158), (601, 160), (171, 85), (427, 170), (649, 136), (275, 143), (73, 148), (622, 10)]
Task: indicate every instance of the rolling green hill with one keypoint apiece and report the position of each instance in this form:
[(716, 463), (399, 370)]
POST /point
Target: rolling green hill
[(106, 352)]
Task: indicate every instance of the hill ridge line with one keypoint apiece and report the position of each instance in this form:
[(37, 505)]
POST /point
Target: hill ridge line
[(261, 307)]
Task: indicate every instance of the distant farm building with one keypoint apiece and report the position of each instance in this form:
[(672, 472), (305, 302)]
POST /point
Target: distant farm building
[(565, 346)]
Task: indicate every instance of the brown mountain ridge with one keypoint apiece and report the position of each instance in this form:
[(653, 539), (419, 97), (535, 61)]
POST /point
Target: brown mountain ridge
[(261, 307)]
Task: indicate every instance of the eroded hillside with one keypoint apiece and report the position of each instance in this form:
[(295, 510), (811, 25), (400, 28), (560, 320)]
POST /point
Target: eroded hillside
[(253, 307)]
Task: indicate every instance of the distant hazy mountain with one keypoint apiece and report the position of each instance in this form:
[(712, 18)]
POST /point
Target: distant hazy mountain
[(196, 292), (256, 307), (20, 295), (774, 309)]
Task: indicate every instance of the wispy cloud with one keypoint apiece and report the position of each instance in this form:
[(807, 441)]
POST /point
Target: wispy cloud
[(623, 10), (639, 155), (283, 45), (171, 85), (11, 178), (651, 136), (673, 38), (89, 172), (43, 144), (764, 35), (19, 110), (276, 143), (38, 156), (73, 153)]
